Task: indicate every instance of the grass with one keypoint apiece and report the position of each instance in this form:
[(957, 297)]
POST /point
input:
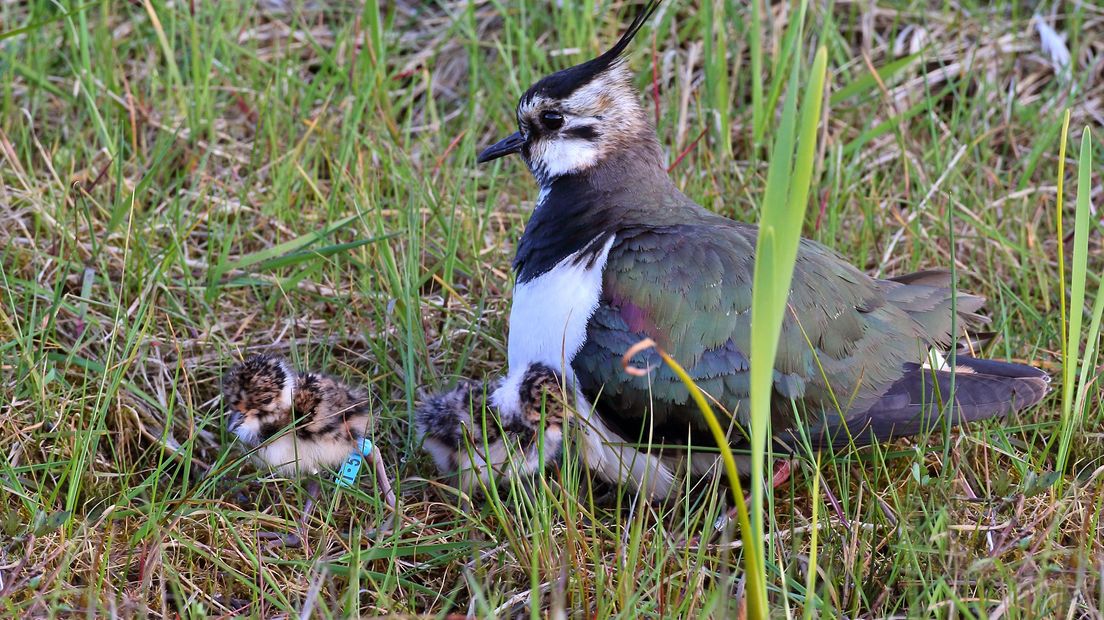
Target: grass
[(183, 183)]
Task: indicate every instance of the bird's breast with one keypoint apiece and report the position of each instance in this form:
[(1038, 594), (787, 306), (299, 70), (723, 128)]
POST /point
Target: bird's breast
[(550, 312)]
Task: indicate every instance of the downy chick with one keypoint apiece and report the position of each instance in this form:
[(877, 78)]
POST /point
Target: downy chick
[(299, 423), (466, 436)]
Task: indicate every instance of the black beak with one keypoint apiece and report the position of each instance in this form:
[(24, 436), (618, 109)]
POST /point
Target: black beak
[(509, 144), (234, 422)]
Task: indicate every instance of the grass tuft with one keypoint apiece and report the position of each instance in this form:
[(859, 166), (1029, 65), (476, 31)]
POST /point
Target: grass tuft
[(182, 183)]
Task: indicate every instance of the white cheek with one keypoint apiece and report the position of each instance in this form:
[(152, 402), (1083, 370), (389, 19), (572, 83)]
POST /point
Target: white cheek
[(248, 431), (560, 157), (287, 393)]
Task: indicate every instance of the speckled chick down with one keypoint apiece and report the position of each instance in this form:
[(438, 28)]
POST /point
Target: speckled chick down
[(299, 423), (467, 438)]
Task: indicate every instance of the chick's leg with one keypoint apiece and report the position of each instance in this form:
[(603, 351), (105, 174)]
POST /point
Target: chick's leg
[(296, 539)]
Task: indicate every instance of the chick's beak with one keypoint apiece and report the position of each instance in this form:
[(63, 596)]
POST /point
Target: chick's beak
[(505, 146)]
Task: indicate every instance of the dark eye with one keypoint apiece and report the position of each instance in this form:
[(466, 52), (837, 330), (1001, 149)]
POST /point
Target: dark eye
[(551, 119)]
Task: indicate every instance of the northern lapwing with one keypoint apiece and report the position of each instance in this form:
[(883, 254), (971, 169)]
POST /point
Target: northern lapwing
[(614, 253), (302, 424), (469, 440)]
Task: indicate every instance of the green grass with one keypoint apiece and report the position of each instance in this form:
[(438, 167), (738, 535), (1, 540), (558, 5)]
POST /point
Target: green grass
[(183, 183)]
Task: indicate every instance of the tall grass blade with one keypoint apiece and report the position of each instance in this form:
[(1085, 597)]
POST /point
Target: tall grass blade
[(717, 74), (755, 570), (1078, 280), (791, 49), (274, 252), (783, 213), (1059, 203), (869, 81), (810, 571), (756, 44)]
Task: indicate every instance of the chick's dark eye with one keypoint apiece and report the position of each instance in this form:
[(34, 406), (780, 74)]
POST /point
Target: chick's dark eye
[(552, 120)]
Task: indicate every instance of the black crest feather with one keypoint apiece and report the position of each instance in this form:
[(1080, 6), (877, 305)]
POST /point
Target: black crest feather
[(561, 84)]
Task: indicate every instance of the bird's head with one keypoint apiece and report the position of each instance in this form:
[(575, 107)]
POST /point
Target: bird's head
[(573, 120), (258, 393)]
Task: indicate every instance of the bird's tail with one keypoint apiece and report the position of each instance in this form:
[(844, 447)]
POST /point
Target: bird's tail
[(924, 399)]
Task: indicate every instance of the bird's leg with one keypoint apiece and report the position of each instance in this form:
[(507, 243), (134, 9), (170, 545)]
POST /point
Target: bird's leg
[(295, 539), (384, 485), (782, 471), (836, 507), (313, 490), (382, 480)]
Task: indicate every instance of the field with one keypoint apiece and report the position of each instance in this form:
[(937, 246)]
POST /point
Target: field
[(185, 183)]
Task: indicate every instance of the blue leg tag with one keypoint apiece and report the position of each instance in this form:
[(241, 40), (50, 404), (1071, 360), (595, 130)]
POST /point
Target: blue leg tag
[(347, 475)]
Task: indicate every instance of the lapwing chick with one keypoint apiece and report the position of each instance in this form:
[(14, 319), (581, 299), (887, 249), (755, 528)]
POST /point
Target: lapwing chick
[(467, 437), (614, 254), (301, 424)]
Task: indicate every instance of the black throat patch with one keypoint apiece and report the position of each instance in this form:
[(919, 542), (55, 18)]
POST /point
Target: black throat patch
[(572, 219)]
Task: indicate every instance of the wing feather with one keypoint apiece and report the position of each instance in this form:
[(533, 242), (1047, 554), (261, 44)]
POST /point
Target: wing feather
[(848, 342)]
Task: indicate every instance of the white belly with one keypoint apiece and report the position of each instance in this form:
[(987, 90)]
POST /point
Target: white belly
[(549, 315), (548, 325), (548, 319)]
